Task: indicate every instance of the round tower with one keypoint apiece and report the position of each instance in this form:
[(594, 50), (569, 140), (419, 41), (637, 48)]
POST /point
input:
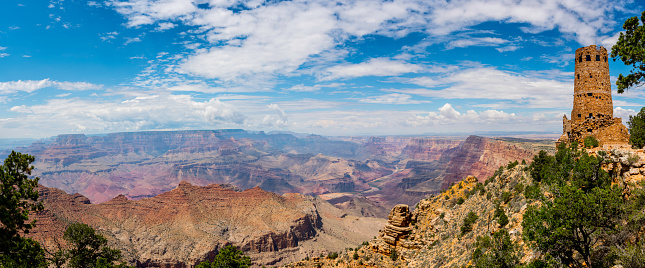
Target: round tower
[(592, 88)]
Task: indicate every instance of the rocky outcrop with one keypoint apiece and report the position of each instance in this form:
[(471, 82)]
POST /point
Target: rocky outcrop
[(398, 225)]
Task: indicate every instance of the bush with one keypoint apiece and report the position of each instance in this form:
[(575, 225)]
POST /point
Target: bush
[(502, 220), (636, 126), (230, 257), (394, 255), (512, 164), (470, 219), (506, 196), (332, 255), (355, 257), (489, 195), (533, 192), (519, 188), (591, 142), (460, 201)]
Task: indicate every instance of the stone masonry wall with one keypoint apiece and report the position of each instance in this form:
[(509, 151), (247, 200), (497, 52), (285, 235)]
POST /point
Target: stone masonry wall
[(592, 88)]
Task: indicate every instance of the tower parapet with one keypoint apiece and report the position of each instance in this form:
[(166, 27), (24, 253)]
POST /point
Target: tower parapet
[(593, 110)]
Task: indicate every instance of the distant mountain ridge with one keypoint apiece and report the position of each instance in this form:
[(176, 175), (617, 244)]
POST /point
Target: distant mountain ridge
[(378, 172)]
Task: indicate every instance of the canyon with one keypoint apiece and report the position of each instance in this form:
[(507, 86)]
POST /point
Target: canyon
[(173, 198)]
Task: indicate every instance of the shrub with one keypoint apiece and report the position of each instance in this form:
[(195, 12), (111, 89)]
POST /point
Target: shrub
[(332, 255), (355, 257), (469, 220), (590, 142), (489, 195), (506, 196), (512, 164), (460, 201), (519, 188), (533, 191), (636, 126), (394, 255), (502, 220)]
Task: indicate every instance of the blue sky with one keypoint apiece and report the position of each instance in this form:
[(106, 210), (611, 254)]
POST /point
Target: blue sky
[(399, 67)]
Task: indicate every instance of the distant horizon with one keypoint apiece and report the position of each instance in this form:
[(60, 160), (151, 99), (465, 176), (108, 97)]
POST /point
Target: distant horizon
[(342, 68), (10, 143)]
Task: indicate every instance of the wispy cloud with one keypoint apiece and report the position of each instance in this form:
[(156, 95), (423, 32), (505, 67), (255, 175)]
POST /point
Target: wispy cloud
[(303, 88), (33, 85), (372, 67), (108, 36), (394, 98)]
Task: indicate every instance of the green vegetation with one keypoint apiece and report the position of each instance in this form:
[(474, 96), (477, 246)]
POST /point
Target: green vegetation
[(591, 142), (636, 126), (88, 250), (19, 197), (497, 251), (460, 201), (533, 192), (512, 164), (469, 220), (394, 255), (575, 225), (630, 49), (229, 257), (506, 196), (501, 217)]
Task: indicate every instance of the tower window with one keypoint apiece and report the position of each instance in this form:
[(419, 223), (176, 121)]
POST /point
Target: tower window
[(590, 76), (590, 115), (578, 76), (579, 115), (605, 58), (580, 58), (597, 57), (588, 58), (589, 94)]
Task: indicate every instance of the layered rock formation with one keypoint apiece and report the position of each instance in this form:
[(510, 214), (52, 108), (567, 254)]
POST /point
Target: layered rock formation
[(398, 225), (190, 224), (428, 149), (480, 157)]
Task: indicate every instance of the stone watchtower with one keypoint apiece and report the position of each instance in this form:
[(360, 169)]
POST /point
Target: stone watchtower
[(593, 110)]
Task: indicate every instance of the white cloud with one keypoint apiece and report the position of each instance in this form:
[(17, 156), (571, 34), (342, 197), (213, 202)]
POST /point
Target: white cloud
[(129, 40), (280, 119), (303, 88), (108, 36), (165, 26), (139, 113), (394, 98), (372, 67), (610, 41), (624, 113), (476, 41), (507, 48), (2, 55), (33, 85), (448, 115), (530, 90), (279, 37)]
